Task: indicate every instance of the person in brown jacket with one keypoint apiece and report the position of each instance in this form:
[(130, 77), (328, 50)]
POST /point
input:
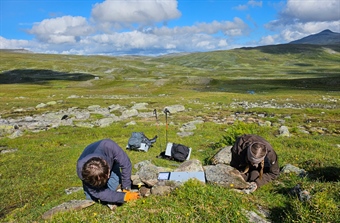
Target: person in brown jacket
[(256, 159)]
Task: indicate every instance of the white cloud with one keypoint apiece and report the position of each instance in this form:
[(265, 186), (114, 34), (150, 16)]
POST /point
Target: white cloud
[(251, 3), (312, 10), (300, 18), (234, 28), (126, 13), (269, 40), (13, 44), (64, 29)]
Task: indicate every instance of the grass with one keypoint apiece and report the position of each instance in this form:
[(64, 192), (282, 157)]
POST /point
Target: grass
[(34, 178)]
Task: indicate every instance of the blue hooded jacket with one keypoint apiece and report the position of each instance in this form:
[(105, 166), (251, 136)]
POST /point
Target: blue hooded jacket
[(111, 153)]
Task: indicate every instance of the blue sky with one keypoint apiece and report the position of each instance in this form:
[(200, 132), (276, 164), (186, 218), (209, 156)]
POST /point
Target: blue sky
[(156, 27)]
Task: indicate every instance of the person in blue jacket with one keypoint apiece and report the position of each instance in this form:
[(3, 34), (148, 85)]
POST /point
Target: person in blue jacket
[(103, 167)]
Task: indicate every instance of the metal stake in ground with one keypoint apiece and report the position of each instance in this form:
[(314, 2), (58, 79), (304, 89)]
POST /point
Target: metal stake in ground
[(157, 124), (166, 111)]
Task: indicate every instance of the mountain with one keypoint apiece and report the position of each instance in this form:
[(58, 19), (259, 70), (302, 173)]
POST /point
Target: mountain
[(326, 37)]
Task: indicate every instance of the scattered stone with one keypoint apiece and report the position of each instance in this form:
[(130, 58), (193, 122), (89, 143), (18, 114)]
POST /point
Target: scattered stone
[(254, 217), (284, 132), (160, 190), (68, 206), (140, 106), (145, 192), (303, 195), (129, 113), (4, 150), (51, 103), (175, 108), (73, 190), (41, 105), (288, 168), (185, 134)]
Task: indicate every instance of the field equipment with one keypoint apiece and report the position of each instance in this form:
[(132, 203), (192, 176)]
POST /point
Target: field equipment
[(157, 124), (138, 141), (181, 176), (174, 151)]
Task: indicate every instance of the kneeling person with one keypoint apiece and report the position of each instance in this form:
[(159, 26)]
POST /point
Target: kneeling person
[(256, 159), (102, 167)]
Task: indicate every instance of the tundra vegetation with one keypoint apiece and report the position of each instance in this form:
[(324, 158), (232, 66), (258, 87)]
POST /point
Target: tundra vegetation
[(302, 82)]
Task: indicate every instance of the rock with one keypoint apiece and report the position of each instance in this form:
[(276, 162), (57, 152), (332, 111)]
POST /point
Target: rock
[(288, 168), (41, 105), (160, 190), (284, 132), (303, 195), (51, 103), (225, 176), (190, 166), (68, 206), (185, 134), (141, 164), (145, 192), (223, 156), (253, 217), (93, 107), (129, 113), (104, 122), (73, 190), (16, 134), (140, 106), (4, 150), (149, 174), (175, 108)]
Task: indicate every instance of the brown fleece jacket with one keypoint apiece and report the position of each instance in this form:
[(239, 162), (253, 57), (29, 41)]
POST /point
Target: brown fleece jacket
[(239, 160)]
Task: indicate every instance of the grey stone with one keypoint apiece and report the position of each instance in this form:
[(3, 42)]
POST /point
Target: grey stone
[(160, 190), (223, 156), (129, 113), (67, 206), (73, 190), (190, 166), (255, 218), (4, 150), (283, 130), (41, 105), (140, 106), (149, 174), (225, 176), (175, 108), (289, 168)]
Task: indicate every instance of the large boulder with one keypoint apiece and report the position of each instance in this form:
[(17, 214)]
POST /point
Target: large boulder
[(225, 176), (223, 156)]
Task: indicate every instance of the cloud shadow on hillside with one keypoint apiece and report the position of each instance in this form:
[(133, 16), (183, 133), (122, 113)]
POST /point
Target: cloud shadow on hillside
[(293, 48), (40, 76), (330, 83)]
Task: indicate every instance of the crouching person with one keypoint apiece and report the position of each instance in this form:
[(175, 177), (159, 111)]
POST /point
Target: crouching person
[(103, 167), (256, 159)]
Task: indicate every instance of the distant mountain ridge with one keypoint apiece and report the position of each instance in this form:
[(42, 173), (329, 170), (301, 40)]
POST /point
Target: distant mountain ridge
[(326, 37)]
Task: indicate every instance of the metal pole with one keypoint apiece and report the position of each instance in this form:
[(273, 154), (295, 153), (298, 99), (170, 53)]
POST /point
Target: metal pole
[(166, 111)]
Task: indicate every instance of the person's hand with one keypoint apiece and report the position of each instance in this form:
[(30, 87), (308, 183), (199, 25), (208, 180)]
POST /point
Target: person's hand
[(130, 196), (252, 187)]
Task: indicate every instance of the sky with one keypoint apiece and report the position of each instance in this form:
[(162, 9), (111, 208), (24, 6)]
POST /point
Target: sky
[(158, 27)]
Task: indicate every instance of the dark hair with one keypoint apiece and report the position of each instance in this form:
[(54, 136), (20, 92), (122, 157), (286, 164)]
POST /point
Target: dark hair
[(95, 172)]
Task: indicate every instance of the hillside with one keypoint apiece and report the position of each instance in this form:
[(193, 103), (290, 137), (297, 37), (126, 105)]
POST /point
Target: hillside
[(224, 93)]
